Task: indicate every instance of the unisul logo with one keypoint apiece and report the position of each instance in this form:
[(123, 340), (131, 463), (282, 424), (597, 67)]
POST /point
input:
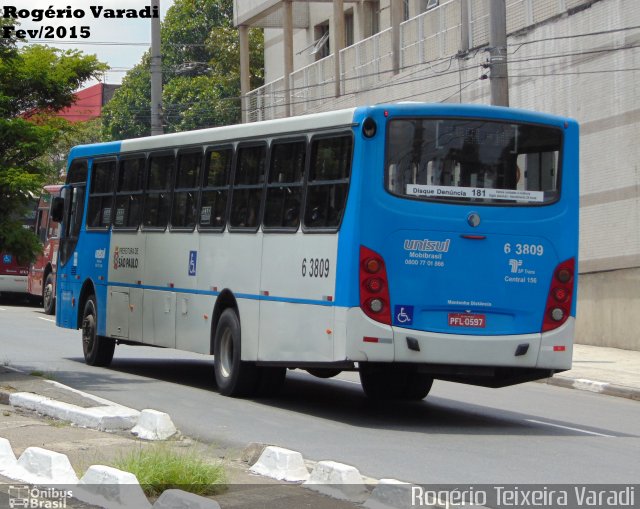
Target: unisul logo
[(427, 245), (38, 498)]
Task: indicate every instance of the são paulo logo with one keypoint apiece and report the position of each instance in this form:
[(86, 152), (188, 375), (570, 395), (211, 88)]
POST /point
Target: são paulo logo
[(125, 258)]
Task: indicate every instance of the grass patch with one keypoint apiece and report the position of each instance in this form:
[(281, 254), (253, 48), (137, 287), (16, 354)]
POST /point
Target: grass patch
[(42, 374), (161, 467), (56, 423)]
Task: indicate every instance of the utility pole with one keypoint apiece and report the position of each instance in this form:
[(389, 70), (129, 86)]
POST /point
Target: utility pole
[(499, 77), (288, 54), (156, 73), (338, 39), (397, 15), (245, 77)]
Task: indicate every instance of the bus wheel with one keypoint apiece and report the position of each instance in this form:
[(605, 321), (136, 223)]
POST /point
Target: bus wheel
[(48, 296), (324, 372), (233, 376), (98, 350), (388, 382)]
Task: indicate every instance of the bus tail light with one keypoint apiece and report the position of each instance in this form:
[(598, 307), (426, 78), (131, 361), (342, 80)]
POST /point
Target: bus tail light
[(374, 288), (560, 296)]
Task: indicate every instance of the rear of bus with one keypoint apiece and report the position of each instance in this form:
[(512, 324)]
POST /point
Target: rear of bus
[(468, 242), (14, 273)]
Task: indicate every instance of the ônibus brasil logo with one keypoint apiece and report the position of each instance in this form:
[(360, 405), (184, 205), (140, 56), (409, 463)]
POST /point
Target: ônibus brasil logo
[(125, 258)]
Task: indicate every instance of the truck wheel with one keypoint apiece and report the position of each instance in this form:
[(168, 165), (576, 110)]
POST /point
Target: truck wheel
[(98, 350), (49, 295), (233, 376)]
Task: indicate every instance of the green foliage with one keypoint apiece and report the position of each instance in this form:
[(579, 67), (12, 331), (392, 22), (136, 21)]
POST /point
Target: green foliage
[(161, 467), (201, 73), (54, 162), (35, 82)]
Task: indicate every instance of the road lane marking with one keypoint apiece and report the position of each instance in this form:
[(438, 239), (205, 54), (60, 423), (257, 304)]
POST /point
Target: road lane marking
[(47, 319), (570, 428)]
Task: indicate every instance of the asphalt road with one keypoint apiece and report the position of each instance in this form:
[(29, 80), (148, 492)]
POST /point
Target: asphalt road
[(531, 433)]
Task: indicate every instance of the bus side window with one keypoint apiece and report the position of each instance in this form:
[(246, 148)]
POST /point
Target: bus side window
[(284, 189), (185, 196), (215, 189), (129, 193), (41, 224), (328, 181), (157, 202), (101, 194), (248, 185)]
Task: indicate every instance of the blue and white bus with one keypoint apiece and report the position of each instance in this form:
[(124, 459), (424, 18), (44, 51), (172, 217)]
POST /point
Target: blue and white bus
[(409, 242)]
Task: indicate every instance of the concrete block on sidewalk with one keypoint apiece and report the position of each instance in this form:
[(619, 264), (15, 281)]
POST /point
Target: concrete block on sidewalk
[(281, 464), (41, 466), (337, 480), (103, 418), (7, 457), (154, 425), (112, 488), (390, 494), (178, 499)]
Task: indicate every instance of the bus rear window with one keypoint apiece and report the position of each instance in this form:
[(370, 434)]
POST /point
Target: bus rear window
[(479, 161)]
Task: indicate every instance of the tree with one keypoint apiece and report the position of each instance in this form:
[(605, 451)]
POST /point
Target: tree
[(53, 162), (201, 73), (35, 83)]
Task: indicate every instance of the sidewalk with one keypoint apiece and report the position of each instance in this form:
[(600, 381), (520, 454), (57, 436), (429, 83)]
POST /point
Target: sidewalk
[(609, 371)]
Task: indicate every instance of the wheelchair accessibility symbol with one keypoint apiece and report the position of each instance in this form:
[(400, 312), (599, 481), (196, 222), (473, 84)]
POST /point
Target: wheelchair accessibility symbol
[(193, 262), (403, 315)]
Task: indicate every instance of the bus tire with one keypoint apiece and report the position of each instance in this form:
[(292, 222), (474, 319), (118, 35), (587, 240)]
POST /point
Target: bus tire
[(49, 295), (234, 377), (324, 372), (388, 382), (98, 350)]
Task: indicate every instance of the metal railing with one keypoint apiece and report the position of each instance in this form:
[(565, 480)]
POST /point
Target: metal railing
[(433, 35)]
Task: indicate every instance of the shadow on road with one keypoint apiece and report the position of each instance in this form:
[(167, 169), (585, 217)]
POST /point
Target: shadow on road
[(330, 399)]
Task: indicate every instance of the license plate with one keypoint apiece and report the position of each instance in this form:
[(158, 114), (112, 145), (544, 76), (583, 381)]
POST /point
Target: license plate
[(467, 320)]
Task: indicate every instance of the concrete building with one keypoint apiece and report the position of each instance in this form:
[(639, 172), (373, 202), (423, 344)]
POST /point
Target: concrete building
[(579, 58)]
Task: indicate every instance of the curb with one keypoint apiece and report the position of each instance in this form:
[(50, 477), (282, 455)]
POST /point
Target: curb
[(105, 416), (583, 384), (100, 485)]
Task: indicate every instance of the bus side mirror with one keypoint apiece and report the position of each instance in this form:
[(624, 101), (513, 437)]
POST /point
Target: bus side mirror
[(57, 208)]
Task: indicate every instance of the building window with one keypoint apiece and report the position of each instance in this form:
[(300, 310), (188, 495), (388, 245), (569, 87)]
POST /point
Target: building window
[(371, 18), (321, 48), (348, 28)]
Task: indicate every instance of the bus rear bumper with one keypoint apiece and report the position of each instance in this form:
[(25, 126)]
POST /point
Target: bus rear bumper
[(381, 343), (13, 284)]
